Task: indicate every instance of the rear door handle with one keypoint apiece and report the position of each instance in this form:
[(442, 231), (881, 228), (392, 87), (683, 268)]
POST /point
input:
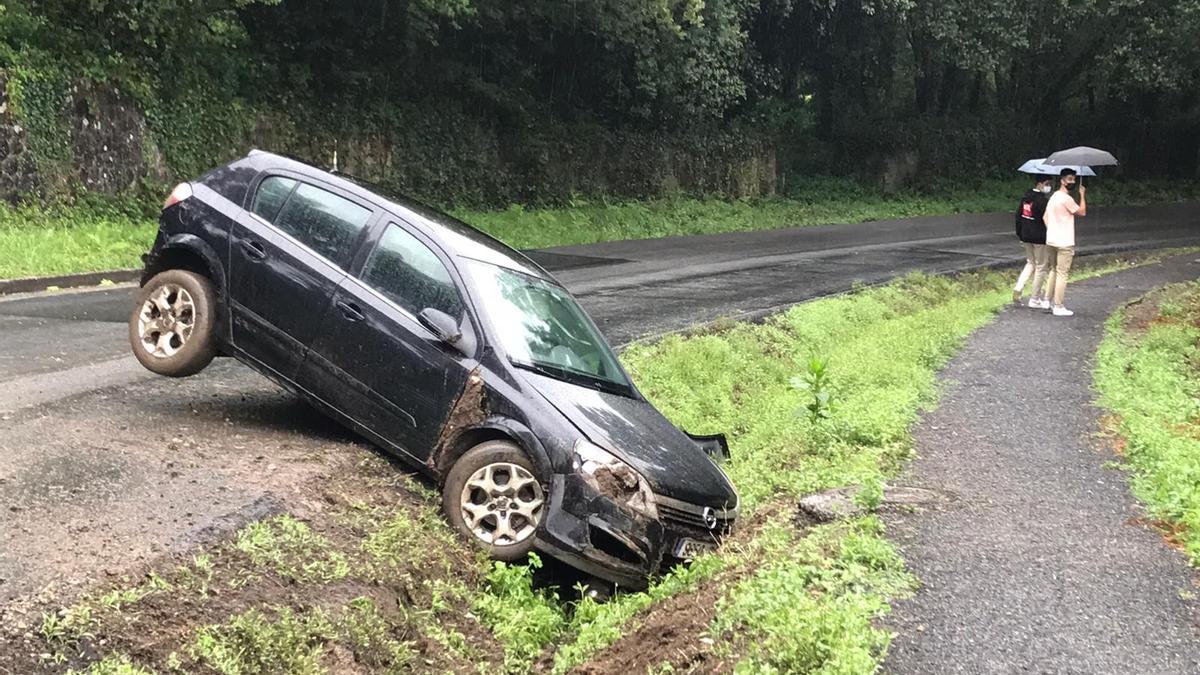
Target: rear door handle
[(254, 250), (350, 311)]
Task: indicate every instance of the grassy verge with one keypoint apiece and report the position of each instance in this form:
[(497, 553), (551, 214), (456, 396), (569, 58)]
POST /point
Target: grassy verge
[(375, 581), (44, 241), (98, 235), (816, 202), (1148, 376)]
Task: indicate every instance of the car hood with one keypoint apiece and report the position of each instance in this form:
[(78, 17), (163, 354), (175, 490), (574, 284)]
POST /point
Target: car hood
[(637, 433)]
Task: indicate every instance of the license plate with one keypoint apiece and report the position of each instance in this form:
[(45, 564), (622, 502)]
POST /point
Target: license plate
[(687, 549)]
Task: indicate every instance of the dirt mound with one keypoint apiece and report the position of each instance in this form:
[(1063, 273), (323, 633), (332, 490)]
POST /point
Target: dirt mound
[(370, 579), (675, 633)]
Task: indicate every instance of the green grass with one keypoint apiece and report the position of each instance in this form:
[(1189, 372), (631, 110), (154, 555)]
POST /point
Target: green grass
[(523, 619), (117, 664), (98, 235), (812, 602), (43, 241), (256, 643), (1150, 380), (292, 550)]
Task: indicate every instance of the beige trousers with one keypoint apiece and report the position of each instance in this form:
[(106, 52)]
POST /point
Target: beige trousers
[(1063, 257)]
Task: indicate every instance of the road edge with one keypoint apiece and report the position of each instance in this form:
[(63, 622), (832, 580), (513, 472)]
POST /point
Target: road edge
[(34, 284)]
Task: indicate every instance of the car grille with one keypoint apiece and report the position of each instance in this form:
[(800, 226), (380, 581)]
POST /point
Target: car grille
[(692, 516)]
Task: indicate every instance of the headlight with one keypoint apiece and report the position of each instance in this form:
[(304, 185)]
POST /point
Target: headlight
[(614, 479)]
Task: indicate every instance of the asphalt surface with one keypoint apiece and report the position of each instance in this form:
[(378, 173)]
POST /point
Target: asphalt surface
[(1037, 564), (104, 466)]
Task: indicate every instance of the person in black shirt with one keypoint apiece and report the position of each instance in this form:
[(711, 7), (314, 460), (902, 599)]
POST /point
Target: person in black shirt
[(1031, 230)]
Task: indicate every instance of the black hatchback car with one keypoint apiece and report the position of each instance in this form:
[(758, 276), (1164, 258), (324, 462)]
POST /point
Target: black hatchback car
[(444, 346)]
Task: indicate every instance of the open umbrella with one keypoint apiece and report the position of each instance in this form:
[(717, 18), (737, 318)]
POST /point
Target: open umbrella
[(1039, 166), (1082, 155)]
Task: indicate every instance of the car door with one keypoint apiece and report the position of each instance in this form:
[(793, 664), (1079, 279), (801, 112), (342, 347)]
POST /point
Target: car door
[(376, 362), (287, 256)]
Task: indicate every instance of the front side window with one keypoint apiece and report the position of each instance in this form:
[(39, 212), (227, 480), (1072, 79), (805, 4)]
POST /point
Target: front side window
[(540, 326), (411, 275), (271, 195), (323, 221)]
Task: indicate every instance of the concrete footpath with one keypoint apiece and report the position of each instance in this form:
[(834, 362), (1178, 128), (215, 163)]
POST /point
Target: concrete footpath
[(1036, 564)]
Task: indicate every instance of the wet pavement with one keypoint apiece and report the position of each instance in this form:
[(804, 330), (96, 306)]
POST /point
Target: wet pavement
[(103, 464), (1039, 563)]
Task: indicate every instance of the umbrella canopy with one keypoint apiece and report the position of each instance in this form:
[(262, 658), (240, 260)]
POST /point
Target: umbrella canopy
[(1039, 166), (1081, 155)]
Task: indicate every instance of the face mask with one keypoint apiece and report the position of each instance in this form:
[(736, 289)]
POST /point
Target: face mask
[(1070, 186), (1045, 189)]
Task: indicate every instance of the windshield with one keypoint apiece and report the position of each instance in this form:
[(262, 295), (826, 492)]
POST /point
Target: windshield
[(541, 327)]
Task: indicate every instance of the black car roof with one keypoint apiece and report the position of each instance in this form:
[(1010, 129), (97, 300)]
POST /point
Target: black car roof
[(459, 238)]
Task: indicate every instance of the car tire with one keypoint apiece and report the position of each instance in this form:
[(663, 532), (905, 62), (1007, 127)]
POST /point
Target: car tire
[(172, 326), (493, 496)]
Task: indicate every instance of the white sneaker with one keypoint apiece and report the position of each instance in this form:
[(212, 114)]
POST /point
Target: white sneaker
[(1062, 311), (1034, 303)]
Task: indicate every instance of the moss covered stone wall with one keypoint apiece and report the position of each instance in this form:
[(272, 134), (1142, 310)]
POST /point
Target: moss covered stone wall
[(60, 137)]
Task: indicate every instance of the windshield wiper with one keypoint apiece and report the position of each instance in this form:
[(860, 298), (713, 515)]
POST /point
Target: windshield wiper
[(574, 377)]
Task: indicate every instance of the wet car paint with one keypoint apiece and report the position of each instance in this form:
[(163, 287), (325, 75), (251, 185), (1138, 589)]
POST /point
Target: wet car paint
[(384, 374), (636, 432)]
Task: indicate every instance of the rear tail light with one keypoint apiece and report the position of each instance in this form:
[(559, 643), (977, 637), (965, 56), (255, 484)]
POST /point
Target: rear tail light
[(180, 193)]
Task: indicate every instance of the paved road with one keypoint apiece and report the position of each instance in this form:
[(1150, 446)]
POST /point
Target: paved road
[(1037, 565), (124, 465)]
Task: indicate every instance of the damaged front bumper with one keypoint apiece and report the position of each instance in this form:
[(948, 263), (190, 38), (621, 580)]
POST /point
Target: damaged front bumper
[(593, 533)]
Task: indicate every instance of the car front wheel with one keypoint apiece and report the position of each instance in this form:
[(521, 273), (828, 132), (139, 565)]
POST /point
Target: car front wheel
[(172, 325), (493, 497)]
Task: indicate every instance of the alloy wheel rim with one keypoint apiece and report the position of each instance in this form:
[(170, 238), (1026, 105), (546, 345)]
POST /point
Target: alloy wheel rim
[(502, 503), (166, 320)]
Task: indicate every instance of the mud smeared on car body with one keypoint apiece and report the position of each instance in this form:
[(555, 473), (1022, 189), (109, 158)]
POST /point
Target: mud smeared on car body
[(621, 485), (468, 412)]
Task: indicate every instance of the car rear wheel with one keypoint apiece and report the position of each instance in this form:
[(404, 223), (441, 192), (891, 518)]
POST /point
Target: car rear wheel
[(493, 497), (171, 329)]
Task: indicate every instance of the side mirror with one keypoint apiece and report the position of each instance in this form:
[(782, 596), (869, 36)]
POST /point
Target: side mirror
[(440, 324)]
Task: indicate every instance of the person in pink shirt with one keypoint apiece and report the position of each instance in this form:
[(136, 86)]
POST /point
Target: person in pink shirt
[(1060, 237)]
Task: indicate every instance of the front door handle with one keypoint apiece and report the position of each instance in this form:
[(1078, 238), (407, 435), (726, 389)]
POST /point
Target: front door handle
[(350, 311), (254, 250)]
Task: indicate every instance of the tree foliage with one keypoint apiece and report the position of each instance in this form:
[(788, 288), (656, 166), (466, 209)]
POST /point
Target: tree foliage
[(870, 78)]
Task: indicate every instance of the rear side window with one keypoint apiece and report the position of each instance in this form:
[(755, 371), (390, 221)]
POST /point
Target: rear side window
[(323, 221), (411, 275), (272, 192)]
